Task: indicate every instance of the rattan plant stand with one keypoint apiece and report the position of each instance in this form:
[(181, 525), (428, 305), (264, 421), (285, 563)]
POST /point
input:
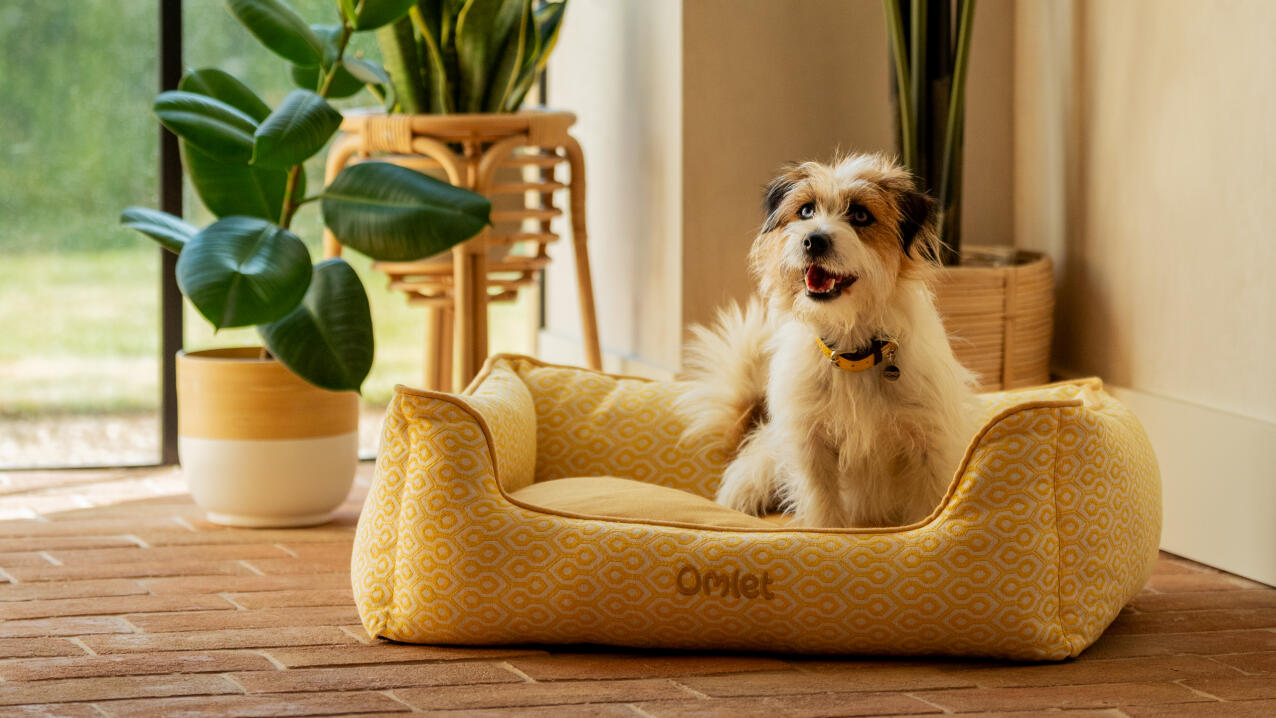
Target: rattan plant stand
[(470, 150)]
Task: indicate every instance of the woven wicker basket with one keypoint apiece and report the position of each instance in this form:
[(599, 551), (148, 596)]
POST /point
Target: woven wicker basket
[(1000, 318)]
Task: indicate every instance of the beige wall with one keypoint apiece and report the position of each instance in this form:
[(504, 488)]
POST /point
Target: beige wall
[(1145, 164), (688, 108)]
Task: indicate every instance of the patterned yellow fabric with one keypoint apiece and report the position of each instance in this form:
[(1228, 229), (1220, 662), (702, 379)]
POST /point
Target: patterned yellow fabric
[(1050, 527)]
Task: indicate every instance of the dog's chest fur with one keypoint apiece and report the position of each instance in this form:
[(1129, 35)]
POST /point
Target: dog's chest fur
[(876, 439)]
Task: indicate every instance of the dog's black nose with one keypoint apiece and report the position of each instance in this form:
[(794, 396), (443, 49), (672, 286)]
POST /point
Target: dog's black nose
[(815, 244)]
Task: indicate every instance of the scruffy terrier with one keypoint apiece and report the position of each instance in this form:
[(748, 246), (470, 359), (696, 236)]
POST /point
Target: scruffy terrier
[(839, 397)]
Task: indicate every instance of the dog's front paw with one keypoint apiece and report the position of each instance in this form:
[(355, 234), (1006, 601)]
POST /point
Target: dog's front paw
[(743, 491), (742, 497), (821, 517)]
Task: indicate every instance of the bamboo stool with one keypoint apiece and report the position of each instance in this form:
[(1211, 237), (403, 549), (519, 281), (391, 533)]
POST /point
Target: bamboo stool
[(455, 287)]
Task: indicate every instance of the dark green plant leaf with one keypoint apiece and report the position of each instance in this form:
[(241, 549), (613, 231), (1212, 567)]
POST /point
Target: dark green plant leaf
[(366, 72), (239, 271), (393, 213), (233, 188), (518, 55), (403, 62), (343, 85), (370, 73), (309, 78), (297, 129), (227, 88), (171, 232), (482, 30), (208, 123), (549, 19), (429, 18), (280, 29), (327, 340), (374, 13)]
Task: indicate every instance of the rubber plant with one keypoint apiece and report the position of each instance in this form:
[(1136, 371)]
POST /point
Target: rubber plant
[(449, 56), (244, 159), (930, 46)]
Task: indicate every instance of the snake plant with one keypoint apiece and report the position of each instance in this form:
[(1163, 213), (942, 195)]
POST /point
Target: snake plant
[(450, 56), (245, 161), (930, 46)]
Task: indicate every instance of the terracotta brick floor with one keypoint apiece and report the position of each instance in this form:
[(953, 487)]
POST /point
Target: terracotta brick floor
[(120, 600)]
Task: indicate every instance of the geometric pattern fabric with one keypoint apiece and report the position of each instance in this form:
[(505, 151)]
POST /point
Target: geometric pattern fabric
[(1050, 526)]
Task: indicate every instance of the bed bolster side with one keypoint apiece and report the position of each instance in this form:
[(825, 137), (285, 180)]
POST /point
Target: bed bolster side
[(1108, 489), (432, 447)]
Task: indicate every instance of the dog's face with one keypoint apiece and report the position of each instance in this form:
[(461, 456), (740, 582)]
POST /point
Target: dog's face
[(837, 239)]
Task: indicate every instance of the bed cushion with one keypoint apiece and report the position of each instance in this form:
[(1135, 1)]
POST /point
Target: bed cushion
[(628, 500)]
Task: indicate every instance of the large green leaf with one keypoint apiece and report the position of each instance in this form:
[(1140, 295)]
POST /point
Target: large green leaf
[(393, 213), (297, 129), (309, 78), (373, 14), (239, 271), (208, 123), (327, 340), (234, 188), (482, 29), (280, 29), (171, 232), (227, 88)]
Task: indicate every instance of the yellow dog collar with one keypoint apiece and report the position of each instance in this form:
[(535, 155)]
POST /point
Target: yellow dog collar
[(880, 351)]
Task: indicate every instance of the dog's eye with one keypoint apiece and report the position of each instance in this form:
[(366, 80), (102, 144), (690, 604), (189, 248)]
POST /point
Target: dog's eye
[(859, 216), (807, 210)]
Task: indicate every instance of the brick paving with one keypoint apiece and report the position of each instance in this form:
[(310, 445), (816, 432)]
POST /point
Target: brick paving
[(117, 598)]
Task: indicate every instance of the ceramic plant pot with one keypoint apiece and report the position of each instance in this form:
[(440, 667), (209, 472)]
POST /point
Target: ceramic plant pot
[(259, 446)]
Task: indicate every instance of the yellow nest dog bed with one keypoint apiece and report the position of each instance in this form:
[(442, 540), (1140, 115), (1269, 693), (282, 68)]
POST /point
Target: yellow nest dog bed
[(489, 522)]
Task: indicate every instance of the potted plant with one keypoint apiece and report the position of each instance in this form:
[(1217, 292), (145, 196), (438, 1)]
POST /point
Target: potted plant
[(267, 436), (460, 71), (997, 303)]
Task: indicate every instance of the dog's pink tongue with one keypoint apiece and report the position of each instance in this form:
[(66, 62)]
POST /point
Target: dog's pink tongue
[(818, 280)]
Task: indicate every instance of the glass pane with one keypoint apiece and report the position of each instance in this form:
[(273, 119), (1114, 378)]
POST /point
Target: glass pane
[(79, 295), (213, 38)]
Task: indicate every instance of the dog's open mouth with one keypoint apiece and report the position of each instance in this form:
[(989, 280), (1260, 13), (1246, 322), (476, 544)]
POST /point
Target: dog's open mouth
[(821, 284)]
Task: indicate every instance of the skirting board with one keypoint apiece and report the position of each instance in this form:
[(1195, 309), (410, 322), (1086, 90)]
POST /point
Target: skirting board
[(1219, 475), (1218, 469)]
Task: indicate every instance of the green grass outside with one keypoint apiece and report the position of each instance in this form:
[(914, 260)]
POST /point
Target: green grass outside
[(79, 332)]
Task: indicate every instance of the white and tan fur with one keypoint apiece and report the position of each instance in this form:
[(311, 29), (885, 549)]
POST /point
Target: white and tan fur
[(833, 447)]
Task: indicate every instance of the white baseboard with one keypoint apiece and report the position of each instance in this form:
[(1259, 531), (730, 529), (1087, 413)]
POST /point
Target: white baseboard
[(1218, 471), (565, 349)]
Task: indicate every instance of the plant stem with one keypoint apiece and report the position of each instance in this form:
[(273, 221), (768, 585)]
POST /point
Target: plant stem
[(294, 173)]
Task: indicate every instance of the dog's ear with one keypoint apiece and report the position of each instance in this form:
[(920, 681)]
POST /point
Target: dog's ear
[(917, 223), (776, 191)]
